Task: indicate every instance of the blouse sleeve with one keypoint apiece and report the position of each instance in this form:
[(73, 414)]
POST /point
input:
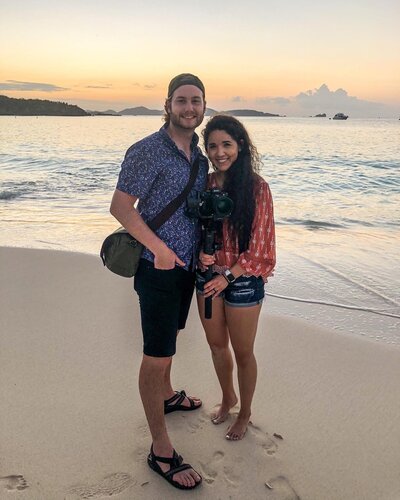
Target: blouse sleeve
[(259, 259)]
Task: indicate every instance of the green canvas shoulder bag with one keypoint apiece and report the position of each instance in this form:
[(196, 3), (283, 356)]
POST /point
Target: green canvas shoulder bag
[(121, 252)]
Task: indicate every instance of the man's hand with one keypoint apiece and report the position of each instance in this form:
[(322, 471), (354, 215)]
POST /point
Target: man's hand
[(165, 258), (122, 208)]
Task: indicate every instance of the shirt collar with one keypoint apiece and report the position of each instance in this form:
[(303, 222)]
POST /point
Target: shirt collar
[(168, 140)]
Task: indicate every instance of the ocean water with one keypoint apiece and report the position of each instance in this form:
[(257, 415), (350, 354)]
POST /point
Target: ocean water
[(336, 189)]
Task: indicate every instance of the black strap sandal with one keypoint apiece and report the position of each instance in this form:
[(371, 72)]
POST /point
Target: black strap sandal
[(176, 464), (174, 403)]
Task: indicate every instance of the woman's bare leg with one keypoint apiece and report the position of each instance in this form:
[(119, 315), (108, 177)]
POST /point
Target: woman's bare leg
[(242, 324), (218, 340)]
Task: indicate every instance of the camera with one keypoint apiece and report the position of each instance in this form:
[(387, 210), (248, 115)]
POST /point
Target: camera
[(211, 205)]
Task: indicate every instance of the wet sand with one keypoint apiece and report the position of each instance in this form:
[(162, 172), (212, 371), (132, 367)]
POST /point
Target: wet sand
[(325, 414)]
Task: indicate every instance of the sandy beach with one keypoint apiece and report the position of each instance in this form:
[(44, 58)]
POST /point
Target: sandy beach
[(325, 415)]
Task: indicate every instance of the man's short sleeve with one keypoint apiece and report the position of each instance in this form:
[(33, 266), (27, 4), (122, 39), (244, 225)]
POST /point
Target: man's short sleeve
[(138, 172)]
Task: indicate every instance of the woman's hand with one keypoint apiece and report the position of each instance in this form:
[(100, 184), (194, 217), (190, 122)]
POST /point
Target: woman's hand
[(215, 286), (205, 259)]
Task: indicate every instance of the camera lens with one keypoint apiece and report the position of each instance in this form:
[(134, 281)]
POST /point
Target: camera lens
[(224, 206)]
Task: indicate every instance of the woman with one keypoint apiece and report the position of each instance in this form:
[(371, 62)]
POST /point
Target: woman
[(241, 266)]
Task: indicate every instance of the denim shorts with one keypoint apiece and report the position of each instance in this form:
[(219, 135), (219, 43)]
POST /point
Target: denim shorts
[(245, 291)]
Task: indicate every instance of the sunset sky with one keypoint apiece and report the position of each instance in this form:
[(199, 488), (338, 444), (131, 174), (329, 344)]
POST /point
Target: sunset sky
[(289, 57)]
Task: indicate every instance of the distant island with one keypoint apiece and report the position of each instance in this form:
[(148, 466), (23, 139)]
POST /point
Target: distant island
[(140, 111), (320, 115), (109, 112), (38, 107), (246, 112)]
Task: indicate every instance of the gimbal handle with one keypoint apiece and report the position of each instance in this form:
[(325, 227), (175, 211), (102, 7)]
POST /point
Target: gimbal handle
[(209, 249)]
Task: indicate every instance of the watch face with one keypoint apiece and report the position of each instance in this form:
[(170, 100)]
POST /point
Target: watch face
[(230, 276)]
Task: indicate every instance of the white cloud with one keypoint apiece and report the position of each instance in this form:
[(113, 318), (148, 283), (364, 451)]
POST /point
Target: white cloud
[(281, 101), (146, 86), (324, 100), (106, 86)]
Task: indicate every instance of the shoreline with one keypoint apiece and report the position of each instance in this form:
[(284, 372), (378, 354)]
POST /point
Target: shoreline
[(74, 426), (354, 319)]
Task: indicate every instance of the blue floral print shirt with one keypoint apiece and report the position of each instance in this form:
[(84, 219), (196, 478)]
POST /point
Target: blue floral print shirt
[(156, 171)]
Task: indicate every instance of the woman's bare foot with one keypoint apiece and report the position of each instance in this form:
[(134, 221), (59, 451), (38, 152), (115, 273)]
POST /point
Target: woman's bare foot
[(222, 411), (238, 429)]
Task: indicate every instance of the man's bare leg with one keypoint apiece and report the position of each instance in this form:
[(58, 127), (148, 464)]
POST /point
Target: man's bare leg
[(153, 370), (168, 389)]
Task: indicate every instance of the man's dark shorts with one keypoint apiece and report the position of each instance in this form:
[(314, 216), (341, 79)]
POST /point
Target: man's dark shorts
[(164, 298)]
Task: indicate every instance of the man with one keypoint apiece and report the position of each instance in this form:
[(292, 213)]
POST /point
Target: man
[(155, 171)]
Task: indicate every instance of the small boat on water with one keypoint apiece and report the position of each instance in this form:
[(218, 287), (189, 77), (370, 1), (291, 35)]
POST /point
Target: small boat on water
[(340, 116)]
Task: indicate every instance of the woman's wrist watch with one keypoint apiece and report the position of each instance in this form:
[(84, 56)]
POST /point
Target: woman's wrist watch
[(229, 276)]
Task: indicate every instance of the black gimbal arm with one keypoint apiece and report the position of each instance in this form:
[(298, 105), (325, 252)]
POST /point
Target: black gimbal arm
[(209, 249)]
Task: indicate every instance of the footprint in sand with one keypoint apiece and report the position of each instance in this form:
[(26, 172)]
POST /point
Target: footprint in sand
[(194, 425), (140, 454), (279, 488), (229, 472), (13, 483), (193, 422), (203, 416), (267, 444), (143, 431), (210, 469), (108, 486)]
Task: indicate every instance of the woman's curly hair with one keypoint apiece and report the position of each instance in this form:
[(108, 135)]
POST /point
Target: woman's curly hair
[(239, 178)]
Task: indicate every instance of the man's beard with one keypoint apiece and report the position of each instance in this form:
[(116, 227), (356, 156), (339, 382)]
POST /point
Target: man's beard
[(179, 122)]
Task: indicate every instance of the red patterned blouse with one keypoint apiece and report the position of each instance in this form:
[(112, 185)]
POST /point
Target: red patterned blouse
[(259, 259)]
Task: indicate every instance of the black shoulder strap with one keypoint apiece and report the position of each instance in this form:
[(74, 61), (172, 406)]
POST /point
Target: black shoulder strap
[(173, 205)]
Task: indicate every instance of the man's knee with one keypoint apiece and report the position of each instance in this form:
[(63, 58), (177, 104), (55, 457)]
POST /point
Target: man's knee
[(156, 363)]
